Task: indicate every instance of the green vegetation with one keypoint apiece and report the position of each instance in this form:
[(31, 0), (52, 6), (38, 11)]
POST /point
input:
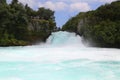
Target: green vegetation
[(21, 25), (101, 26)]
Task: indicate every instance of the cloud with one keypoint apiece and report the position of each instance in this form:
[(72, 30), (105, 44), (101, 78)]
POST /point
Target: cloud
[(81, 6), (31, 3), (53, 5), (58, 6), (87, 1), (107, 1)]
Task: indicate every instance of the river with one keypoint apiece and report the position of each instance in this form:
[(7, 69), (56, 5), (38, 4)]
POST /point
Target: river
[(62, 57)]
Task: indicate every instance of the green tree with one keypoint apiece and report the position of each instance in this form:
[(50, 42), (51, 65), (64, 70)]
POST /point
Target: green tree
[(101, 26), (14, 2), (3, 2), (45, 14), (19, 21), (20, 25)]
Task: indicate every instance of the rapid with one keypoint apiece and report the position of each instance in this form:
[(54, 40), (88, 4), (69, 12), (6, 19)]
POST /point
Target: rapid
[(64, 56)]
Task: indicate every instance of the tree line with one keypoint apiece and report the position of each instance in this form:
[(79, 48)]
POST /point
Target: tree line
[(21, 25), (100, 26)]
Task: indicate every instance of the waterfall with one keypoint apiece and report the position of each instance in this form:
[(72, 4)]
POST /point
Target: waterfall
[(65, 38), (62, 57)]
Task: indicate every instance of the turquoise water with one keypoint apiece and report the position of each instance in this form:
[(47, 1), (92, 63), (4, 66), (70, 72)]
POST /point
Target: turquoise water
[(69, 70), (55, 60)]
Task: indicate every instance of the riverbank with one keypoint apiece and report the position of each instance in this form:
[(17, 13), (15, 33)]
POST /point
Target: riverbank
[(101, 27)]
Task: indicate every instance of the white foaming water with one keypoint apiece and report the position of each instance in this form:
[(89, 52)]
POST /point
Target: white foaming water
[(62, 57), (64, 39)]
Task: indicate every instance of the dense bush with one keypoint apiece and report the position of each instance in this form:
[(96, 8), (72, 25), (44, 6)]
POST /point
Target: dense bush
[(101, 26), (19, 24)]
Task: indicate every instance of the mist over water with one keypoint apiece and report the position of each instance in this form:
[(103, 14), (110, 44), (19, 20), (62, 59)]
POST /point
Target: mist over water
[(62, 57)]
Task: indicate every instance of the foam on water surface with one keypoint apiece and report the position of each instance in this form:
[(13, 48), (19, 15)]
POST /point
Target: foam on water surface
[(62, 57)]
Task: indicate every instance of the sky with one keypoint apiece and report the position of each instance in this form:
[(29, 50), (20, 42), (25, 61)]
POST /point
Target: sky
[(65, 9)]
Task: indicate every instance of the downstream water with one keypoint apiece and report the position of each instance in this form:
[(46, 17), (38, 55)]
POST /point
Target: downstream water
[(62, 57)]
